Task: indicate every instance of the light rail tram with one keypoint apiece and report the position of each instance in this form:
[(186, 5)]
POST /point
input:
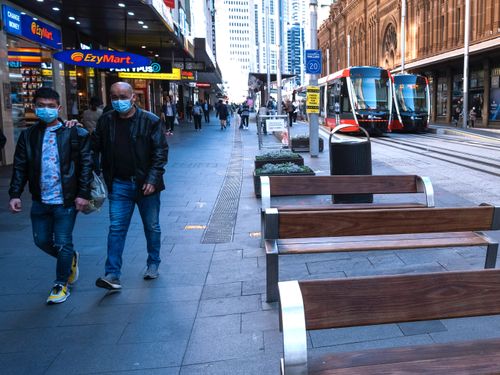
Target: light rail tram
[(360, 96)]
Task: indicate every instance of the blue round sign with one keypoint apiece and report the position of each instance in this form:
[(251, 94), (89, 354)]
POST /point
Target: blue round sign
[(102, 59)]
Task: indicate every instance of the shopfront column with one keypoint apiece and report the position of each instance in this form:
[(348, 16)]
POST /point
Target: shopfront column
[(486, 95), (449, 79), (60, 85), (6, 123)]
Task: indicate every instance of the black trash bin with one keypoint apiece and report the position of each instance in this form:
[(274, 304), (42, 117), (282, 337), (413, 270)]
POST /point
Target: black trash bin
[(350, 157)]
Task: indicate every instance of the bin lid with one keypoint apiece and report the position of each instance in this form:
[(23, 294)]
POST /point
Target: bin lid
[(341, 138)]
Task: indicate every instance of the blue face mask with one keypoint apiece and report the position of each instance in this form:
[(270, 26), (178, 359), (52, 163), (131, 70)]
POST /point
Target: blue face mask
[(121, 106), (47, 115)]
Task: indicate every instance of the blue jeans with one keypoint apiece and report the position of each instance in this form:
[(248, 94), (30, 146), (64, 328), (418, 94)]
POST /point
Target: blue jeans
[(122, 200), (53, 233)]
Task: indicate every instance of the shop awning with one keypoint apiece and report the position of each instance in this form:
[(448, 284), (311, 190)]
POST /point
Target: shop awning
[(128, 28)]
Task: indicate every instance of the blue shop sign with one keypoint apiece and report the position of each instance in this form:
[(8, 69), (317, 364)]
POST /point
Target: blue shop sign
[(29, 28), (103, 59), (11, 20)]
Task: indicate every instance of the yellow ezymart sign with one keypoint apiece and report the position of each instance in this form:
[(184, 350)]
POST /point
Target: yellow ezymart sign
[(312, 99)]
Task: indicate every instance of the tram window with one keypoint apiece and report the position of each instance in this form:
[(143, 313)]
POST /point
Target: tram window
[(346, 103), (331, 101)]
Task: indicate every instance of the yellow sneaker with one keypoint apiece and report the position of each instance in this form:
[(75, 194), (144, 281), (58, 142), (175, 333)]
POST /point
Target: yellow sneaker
[(75, 272), (58, 294)]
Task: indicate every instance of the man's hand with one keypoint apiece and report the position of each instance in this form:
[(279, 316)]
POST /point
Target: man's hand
[(81, 203), (71, 123), (15, 205), (148, 189)]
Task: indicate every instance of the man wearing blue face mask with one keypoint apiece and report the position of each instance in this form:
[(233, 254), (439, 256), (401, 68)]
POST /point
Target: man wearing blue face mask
[(56, 161), (133, 150)]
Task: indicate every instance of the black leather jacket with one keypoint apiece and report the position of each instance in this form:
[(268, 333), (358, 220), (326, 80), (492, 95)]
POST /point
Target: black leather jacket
[(149, 144), (74, 158)]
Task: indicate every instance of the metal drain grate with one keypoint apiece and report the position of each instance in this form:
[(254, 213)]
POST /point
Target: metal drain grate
[(220, 227)]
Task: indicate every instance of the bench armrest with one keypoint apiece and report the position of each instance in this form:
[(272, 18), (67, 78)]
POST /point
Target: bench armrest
[(424, 185), (294, 329), (265, 193)]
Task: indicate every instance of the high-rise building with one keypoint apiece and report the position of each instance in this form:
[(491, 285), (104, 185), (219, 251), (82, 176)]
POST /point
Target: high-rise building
[(235, 41)]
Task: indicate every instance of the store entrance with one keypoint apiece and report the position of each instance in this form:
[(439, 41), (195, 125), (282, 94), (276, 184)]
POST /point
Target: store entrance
[(30, 67)]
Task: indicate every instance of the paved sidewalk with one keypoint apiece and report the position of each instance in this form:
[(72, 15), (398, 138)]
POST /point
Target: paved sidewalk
[(206, 314)]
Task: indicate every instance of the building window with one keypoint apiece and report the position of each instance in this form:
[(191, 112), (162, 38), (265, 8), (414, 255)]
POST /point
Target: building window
[(495, 94)]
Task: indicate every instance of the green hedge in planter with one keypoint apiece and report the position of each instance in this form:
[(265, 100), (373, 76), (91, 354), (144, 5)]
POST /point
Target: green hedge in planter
[(278, 157), (301, 143), (285, 169)]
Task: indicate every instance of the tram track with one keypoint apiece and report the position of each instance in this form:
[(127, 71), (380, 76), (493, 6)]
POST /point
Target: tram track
[(490, 166), (452, 139)]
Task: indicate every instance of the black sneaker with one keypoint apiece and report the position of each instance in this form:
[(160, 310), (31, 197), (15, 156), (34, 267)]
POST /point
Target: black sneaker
[(152, 272), (108, 282)]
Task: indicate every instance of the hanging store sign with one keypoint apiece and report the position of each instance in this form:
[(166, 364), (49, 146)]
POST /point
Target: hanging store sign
[(203, 85), (188, 76), (174, 76), (30, 28), (169, 3), (103, 59)]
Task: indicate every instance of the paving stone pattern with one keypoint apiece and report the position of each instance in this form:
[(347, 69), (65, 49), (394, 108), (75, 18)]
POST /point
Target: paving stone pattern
[(206, 313)]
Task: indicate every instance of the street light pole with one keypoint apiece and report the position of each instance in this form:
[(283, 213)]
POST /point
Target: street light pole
[(313, 81), (403, 34), (268, 54), (466, 64)]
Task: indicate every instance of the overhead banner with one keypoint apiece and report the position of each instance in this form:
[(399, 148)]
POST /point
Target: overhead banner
[(102, 59), (30, 28), (312, 99)]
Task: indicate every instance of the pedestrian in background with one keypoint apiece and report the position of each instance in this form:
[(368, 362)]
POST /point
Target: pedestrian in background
[(168, 114), (56, 162), (472, 117), (206, 111), (189, 110), (244, 112), (197, 112), (223, 114), (91, 115), (289, 111), (134, 152)]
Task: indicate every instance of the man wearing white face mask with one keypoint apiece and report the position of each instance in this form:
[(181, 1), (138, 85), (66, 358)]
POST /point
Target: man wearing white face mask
[(133, 150), (56, 161)]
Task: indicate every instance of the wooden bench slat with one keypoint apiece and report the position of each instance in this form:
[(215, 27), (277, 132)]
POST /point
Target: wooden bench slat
[(370, 222), (387, 242), (354, 206), (325, 185), (321, 240), (460, 365), (390, 299), (324, 364)]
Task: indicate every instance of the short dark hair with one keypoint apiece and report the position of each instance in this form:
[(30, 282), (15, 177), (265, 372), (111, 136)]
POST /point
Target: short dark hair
[(46, 93)]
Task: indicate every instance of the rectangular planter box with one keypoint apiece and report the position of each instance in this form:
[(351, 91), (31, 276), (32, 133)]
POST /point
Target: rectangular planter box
[(303, 145), (261, 163), (256, 179)]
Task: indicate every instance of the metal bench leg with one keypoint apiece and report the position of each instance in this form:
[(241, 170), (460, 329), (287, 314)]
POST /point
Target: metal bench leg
[(491, 255), (272, 272)]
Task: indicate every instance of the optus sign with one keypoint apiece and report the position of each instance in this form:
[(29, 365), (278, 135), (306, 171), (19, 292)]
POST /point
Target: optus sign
[(102, 59)]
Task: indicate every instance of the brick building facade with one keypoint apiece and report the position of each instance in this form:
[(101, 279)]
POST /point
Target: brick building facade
[(434, 47)]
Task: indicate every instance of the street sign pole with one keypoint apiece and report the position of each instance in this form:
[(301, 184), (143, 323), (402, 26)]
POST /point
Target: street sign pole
[(313, 117)]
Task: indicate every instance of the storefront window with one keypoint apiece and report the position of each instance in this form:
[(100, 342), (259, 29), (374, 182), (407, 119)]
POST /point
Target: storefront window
[(495, 94), (30, 67), (442, 96)]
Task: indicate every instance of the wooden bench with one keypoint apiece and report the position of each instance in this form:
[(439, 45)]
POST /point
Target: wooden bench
[(275, 186), (306, 232), (323, 304)]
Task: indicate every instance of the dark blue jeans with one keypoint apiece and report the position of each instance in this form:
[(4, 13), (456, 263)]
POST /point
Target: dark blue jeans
[(53, 233), (122, 200)]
